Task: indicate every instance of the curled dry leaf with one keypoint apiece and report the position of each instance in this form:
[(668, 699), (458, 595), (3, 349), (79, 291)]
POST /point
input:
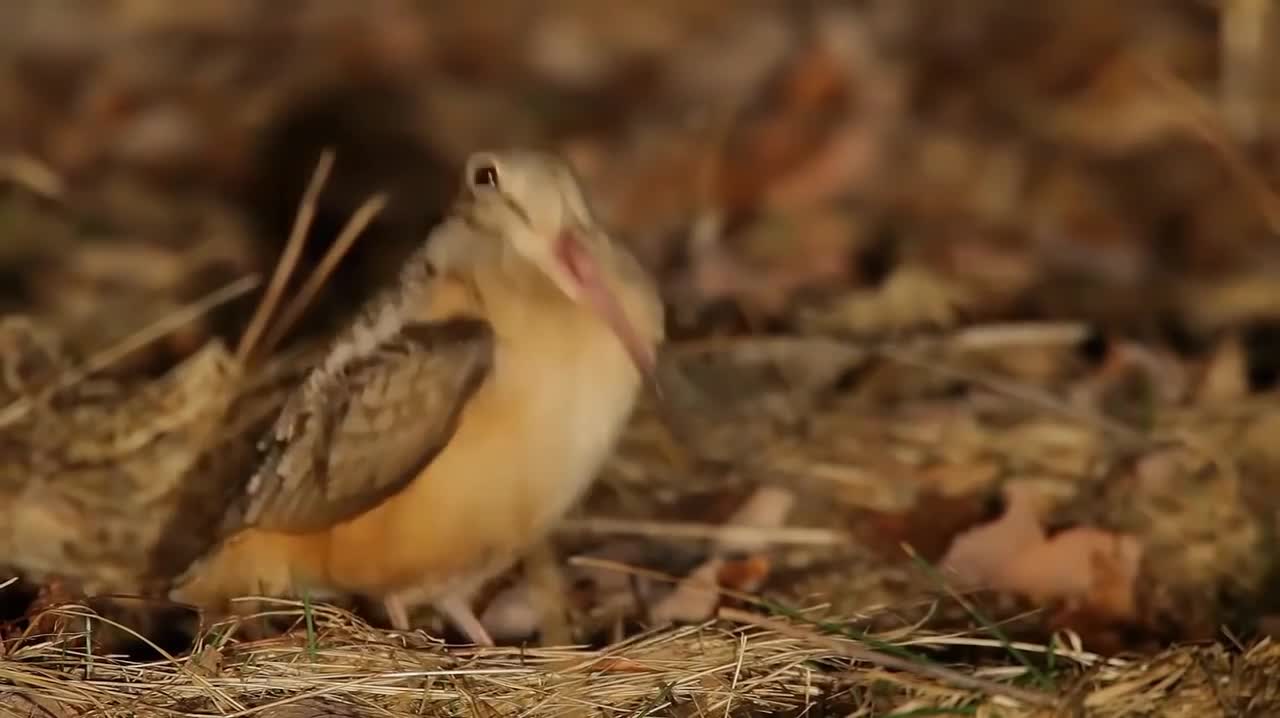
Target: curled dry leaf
[(696, 598), (979, 556), (745, 575), (1083, 566), (1087, 569)]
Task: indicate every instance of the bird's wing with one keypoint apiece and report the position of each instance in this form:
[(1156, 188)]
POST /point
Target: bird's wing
[(367, 421)]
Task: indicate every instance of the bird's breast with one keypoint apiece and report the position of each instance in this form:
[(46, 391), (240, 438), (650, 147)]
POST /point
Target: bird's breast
[(527, 445), (569, 392)]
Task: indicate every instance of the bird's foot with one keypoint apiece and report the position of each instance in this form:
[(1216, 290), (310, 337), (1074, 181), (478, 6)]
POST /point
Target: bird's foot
[(397, 614), (455, 609), (458, 611)]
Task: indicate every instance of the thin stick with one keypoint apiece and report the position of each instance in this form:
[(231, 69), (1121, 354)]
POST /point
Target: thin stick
[(1242, 52), (849, 649), (139, 339), (34, 175), (355, 227), (694, 531), (1001, 335), (288, 259), (981, 337), (605, 564)]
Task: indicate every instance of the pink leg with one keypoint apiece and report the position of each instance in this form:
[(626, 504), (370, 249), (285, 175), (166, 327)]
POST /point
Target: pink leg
[(396, 612), (458, 611)]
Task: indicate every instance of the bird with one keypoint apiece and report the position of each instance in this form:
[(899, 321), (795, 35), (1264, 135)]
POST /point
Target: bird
[(460, 413)]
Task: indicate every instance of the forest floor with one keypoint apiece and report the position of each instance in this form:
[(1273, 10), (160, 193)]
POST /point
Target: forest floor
[(970, 395)]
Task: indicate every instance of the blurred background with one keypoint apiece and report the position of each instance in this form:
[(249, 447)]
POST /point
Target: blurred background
[(862, 170), (855, 166)]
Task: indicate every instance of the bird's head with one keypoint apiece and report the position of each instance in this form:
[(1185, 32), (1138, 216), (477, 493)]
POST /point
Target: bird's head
[(534, 202)]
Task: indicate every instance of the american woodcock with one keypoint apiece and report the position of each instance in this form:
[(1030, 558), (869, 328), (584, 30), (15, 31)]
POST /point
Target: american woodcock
[(459, 416)]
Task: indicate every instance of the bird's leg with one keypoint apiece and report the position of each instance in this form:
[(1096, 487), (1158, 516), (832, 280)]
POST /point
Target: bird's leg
[(457, 610), (249, 623), (547, 586), (396, 612)]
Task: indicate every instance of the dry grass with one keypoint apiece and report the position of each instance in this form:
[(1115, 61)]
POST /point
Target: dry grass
[(719, 668)]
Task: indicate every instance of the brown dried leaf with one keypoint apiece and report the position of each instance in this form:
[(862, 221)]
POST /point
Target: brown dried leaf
[(745, 575), (980, 556), (1090, 570), (695, 598), (1082, 566)]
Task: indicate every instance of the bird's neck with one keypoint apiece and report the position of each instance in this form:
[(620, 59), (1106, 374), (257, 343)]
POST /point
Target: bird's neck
[(516, 293), (514, 289)]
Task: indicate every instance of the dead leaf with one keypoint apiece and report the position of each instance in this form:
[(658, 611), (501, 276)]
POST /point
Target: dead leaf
[(1090, 570), (696, 597), (745, 575), (980, 556), (1082, 566)]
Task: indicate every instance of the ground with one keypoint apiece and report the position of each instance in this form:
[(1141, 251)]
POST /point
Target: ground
[(968, 405)]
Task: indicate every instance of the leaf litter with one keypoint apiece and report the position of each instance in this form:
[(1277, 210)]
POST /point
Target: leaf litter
[(973, 346)]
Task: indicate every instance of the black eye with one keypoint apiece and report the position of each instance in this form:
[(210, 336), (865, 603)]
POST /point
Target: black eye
[(485, 176)]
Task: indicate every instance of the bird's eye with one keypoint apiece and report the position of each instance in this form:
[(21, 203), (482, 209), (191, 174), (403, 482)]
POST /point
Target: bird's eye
[(485, 176)]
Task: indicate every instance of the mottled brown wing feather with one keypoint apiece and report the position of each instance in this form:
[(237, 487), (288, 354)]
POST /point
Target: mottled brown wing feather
[(360, 435)]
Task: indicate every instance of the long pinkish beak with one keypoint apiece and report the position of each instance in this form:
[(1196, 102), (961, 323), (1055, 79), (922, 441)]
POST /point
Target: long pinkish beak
[(584, 268)]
